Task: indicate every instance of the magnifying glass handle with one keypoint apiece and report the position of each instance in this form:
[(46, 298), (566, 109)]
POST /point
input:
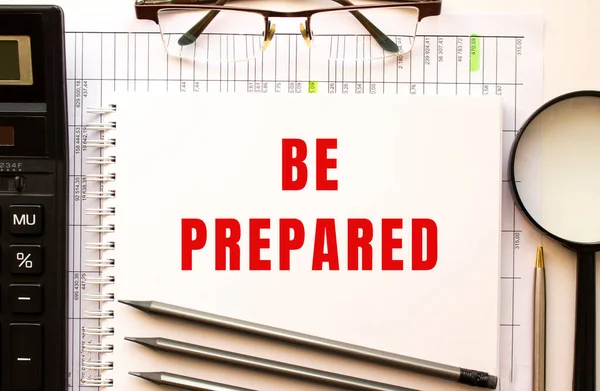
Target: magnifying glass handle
[(584, 377)]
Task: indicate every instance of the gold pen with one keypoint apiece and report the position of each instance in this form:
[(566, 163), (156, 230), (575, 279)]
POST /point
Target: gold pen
[(539, 324)]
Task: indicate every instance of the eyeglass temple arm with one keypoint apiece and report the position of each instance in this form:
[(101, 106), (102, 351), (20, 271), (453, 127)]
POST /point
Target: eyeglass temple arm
[(192, 34), (383, 40)]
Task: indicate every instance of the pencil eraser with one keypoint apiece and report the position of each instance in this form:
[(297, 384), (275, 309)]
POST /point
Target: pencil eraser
[(478, 379)]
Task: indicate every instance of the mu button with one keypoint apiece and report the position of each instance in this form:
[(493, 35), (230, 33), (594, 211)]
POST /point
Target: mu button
[(26, 219)]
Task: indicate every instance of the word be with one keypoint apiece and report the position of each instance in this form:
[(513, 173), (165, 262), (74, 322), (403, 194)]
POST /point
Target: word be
[(291, 161), (292, 237)]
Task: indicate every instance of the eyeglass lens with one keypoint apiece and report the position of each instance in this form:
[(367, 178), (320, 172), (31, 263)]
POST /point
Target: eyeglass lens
[(203, 34)]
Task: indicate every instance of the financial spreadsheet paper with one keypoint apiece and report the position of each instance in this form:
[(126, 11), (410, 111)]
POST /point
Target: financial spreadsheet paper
[(109, 50)]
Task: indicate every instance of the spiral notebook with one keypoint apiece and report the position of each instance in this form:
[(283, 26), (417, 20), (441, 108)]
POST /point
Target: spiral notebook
[(371, 220)]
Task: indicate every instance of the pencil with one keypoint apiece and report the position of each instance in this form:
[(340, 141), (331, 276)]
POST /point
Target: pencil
[(183, 382), (539, 324), (268, 366), (444, 371)]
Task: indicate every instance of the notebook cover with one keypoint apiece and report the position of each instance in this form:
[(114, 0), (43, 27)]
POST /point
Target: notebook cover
[(419, 176)]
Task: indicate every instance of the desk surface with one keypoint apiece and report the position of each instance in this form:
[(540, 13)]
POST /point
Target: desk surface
[(572, 33), (571, 29), (570, 63)]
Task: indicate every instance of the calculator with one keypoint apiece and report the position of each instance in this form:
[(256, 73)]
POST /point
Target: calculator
[(33, 199)]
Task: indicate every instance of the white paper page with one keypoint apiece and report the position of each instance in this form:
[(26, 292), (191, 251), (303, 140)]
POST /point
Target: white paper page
[(107, 49), (218, 157)]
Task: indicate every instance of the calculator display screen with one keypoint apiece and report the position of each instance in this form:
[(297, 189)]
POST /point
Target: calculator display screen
[(15, 67)]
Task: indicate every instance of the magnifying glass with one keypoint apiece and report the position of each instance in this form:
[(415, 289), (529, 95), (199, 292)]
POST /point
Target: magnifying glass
[(554, 169)]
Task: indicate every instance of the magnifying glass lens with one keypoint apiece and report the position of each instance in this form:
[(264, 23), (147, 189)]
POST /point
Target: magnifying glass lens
[(555, 177), (557, 169)]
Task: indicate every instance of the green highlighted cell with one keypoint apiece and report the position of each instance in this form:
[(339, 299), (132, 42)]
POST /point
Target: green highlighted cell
[(313, 87), (475, 52)]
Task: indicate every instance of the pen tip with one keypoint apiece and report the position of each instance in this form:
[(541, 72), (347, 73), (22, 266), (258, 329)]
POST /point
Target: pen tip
[(140, 305), (539, 258), (138, 374)]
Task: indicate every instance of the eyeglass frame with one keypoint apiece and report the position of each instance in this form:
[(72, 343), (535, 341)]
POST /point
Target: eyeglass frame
[(149, 10)]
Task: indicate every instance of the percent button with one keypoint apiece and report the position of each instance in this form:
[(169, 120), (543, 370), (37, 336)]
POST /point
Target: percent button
[(27, 258)]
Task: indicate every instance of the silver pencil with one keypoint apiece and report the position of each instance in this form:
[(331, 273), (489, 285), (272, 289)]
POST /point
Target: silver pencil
[(429, 368), (274, 367), (539, 324), (184, 382)]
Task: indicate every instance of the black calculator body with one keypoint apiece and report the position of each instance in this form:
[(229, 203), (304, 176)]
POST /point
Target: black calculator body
[(33, 199)]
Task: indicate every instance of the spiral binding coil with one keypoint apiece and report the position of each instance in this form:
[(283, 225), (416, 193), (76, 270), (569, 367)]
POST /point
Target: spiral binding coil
[(101, 188)]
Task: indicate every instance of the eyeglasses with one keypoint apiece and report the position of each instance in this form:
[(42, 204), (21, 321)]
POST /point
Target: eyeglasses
[(195, 30)]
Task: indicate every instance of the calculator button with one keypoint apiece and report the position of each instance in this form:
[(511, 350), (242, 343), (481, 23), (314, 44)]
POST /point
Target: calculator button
[(26, 298), (26, 356), (26, 219), (26, 258)]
